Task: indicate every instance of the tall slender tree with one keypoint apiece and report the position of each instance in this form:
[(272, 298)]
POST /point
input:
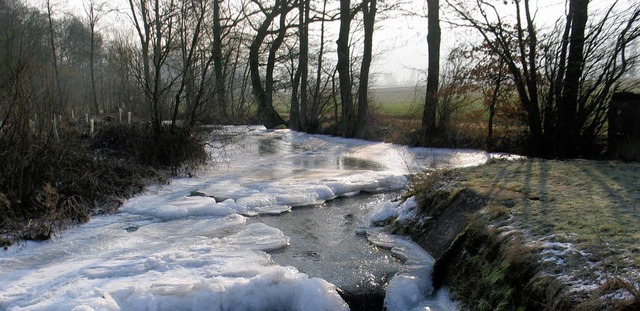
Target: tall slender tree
[(218, 65), (57, 94), (369, 8), (264, 93), (433, 72), (566, 131), (298, 112), (94, 11), (344, 72)]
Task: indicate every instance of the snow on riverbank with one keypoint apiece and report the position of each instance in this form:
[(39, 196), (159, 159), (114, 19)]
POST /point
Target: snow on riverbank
[(188, 246)]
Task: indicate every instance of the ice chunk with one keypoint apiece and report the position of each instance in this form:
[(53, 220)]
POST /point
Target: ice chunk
[(168, 208), (407, 210), (269, 210), (299, 194), (258, 236), (409, 289), (383, 211), (257, 200)]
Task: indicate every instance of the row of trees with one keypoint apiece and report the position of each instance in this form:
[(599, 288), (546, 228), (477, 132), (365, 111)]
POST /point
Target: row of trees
[(237, 61), (221, 52), (211, 60), (563, 76)]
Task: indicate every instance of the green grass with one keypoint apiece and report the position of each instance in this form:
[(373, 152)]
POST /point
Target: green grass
[(581, 217), (548, 235), (399, 110)]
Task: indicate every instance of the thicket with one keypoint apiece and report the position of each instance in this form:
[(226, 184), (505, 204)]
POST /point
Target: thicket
[(48, 184)]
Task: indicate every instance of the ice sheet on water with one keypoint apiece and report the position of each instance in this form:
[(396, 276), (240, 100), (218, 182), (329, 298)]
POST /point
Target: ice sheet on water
[(219, 286), (169, 250), (202, 268), (188, 253)]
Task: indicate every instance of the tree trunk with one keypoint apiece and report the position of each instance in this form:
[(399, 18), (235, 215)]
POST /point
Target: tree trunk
[(294, 111), (344, 76), (303, 64), (92, 51), (297, 113), (493, 106), (54, 54), (218, 65), (313, 120), (369, 16), (568, 130), (433, 73), (264, 95)]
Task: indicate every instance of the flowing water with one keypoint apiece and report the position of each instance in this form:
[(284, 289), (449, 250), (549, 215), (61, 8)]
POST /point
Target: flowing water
[(279, 220)]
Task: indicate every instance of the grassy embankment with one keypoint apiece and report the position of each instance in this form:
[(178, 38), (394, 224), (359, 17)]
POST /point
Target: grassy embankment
[(47, 185), (546, 235)]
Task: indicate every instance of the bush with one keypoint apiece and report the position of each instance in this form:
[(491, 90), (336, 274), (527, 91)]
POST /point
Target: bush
[(166, 148), (46, 185)]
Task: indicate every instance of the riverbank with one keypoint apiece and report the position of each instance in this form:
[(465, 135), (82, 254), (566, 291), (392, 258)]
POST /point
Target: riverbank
[(49, 184), (537, 234)]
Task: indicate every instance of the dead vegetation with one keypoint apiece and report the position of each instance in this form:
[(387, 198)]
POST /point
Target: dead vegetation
[(47, 185)]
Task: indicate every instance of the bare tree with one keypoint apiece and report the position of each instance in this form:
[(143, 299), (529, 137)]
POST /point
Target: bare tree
[(94, 10), (369, 8), (316, 105), (218, 65), (264, 93), (299, 107), (57, 95), (565, 89), (433, 73), (343, 68), (154, 24), (566, 132)]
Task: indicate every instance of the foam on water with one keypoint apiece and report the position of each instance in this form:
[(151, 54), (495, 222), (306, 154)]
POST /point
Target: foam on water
[(188, 245)]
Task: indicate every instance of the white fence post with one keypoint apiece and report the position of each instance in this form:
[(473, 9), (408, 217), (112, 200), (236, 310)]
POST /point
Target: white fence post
[(55, 127)]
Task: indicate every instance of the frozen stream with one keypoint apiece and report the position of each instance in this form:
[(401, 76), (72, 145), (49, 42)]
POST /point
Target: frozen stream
[(270, 225)]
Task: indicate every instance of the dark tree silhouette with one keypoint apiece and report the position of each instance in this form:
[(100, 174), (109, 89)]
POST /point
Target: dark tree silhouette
[(433, 73)]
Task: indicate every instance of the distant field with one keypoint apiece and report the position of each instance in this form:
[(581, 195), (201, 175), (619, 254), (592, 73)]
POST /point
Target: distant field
[(397, 94), (398, 101), (392, 101)]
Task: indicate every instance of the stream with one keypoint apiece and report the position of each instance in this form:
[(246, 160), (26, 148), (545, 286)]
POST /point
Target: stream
[(279, 220)]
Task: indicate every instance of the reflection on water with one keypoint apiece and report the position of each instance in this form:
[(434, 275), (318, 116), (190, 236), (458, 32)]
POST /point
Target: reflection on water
[(351, 163), (324, 244), (268, 146), (310, 158)]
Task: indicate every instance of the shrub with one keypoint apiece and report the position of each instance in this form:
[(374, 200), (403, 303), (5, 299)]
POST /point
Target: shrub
[(46, 185)]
